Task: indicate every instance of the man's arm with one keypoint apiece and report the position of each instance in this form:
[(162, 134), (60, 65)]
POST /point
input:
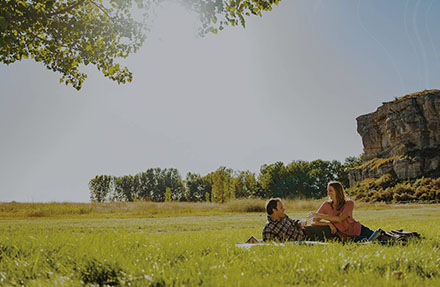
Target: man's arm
[(268, 233), (298, 233), (296, 222)]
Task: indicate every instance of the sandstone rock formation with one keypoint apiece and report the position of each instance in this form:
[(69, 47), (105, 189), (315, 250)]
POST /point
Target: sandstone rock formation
[(401, 137)]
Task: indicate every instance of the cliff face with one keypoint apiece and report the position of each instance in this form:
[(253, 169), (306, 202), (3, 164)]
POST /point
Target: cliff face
[(405, 133)]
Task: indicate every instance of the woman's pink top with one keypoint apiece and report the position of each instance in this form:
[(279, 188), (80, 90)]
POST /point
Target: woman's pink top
[(347, 228)]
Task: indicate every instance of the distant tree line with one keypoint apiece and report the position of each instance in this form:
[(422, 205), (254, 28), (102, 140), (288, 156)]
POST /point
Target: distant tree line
[(299, 179)]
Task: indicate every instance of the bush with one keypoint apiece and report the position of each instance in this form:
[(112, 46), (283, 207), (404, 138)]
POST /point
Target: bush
[(384, 195), (404, 192), (388, 189), (386, 180)]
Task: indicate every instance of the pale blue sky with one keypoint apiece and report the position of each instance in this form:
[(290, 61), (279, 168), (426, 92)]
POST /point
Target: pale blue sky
[(287, 87)]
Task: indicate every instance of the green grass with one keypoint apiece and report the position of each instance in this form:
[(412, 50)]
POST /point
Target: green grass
[(200, 250)]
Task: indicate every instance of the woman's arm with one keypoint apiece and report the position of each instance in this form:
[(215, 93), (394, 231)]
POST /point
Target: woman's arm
[(318, 222), (346, 212), (329, 224), (315, 220), (337, 219)]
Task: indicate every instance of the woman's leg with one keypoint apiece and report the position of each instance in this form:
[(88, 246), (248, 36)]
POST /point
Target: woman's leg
[(365, 234)]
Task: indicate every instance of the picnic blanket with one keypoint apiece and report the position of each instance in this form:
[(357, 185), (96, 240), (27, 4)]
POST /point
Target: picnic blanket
[(379, 237), (273, 243)]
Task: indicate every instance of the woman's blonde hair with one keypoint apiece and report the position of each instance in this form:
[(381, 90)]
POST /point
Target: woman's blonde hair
[(340, 195)]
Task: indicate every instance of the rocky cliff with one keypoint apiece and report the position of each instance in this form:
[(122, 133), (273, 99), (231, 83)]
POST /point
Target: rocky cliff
[(401, 137)]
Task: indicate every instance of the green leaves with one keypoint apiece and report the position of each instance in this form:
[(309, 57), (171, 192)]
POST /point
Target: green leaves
[(65, 35)]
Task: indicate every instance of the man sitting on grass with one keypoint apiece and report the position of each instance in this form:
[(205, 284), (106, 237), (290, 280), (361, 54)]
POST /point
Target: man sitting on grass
[(280, 227)]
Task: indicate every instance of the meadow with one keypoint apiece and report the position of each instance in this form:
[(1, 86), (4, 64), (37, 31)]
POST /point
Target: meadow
[(174, 244)]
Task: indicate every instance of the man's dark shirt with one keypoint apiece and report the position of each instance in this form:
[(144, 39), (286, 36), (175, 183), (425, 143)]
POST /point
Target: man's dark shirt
[(285, 229)]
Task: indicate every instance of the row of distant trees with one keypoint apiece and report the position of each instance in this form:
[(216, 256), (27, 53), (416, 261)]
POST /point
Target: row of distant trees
[(299, 179)]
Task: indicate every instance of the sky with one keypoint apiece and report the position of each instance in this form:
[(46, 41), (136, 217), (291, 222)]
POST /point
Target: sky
[(287, 87)]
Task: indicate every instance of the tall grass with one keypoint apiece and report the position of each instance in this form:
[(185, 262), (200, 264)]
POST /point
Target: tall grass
[(111, 209), (16, 209), (146, 209)]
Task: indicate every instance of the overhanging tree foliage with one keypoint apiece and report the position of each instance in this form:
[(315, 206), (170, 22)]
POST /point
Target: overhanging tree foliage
[(64, 35)]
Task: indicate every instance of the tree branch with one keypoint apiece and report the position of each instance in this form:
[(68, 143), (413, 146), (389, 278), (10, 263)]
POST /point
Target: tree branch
[(103, 9), (43, 15), (67, 9)]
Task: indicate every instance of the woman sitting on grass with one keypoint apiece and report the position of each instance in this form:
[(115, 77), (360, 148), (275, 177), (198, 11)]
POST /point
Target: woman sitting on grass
[(337, 213)]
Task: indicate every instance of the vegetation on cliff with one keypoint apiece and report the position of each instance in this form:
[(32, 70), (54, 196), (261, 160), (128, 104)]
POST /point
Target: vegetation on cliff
[(401, 142), (376, 163), (387, 188), (416, 94)]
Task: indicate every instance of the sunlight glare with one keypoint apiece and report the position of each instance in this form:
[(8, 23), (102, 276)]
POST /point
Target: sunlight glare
[(174, 24)]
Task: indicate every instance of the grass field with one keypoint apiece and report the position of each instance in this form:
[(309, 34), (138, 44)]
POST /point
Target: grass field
[(123, 248)]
